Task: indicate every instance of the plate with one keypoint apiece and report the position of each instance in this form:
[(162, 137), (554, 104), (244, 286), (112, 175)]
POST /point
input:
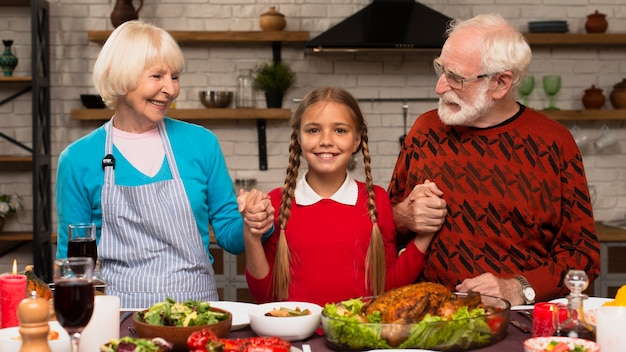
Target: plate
[(9, 341), (239, 310), (590, 305)]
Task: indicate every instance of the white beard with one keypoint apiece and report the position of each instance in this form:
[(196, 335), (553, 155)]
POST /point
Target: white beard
[(468, 112)]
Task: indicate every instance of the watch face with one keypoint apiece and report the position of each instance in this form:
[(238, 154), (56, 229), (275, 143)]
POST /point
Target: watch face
[(529, 293)]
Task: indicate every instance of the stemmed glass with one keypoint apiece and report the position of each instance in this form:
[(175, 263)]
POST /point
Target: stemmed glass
[(73, 295), (526, 87), (82, 241), (551, 85)]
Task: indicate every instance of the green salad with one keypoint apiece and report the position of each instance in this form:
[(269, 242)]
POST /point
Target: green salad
[(187, 313), (349, 329)]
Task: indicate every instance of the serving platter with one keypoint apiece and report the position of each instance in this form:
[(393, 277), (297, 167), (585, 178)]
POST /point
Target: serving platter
[(239, 310)]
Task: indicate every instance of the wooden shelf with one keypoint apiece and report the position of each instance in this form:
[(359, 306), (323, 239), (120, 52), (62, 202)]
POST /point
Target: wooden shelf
[(18, 3), (15, 81), (22, 236), (578, 115), (195, 114), (221, 37), (16, 159), (573, 39)]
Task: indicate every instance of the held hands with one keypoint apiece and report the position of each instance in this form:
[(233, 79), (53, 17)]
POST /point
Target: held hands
[(257, 211), (489, 284), (423, 211)]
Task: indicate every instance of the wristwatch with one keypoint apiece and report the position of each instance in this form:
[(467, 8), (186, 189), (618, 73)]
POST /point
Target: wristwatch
[(528, 293)]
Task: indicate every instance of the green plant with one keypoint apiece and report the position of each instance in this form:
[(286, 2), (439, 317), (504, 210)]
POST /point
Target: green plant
[(274, 77), (9, 204)]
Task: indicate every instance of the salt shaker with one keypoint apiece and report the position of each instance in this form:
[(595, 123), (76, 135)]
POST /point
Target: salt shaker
[(33, 313)]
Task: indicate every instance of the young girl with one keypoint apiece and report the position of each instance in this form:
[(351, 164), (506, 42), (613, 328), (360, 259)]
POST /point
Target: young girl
[(335, 236)]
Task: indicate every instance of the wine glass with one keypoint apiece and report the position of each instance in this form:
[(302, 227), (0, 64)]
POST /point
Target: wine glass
[(551, 85), (82, 241), (73, 295), (526, 87)]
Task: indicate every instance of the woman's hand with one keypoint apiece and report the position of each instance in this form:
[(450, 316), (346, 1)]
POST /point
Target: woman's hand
[(257, 210)]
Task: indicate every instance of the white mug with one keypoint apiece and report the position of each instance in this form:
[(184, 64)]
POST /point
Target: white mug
[(104, 324), (611, 321), (581, 138), (606, 139)]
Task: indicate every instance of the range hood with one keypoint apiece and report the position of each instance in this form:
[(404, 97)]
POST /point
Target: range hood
[(384, 26)]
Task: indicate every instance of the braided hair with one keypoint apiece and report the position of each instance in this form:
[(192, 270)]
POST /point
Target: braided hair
[(375, 259)]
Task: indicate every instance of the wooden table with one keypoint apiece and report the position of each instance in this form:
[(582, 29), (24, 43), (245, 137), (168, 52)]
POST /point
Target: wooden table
[(513, 342)]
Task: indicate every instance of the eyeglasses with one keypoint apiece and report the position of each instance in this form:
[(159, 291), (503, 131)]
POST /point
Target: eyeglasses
[(455, 81)]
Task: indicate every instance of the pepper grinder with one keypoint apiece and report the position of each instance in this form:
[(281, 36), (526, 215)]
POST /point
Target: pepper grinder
[(32, 313)]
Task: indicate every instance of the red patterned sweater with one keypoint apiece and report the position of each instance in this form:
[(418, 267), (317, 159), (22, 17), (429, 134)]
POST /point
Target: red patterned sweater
[(517, 198), (328, 242)]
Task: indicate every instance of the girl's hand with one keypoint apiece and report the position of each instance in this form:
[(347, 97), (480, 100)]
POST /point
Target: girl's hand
[(258, 212)]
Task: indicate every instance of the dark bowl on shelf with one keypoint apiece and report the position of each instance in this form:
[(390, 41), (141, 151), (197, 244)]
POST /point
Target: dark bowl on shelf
[(92, 101)]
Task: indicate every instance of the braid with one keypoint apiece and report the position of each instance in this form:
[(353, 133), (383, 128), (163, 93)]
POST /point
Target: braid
[(281, 262), (375, 259)]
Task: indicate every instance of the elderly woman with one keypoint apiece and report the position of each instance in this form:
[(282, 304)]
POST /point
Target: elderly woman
[(151, 184)]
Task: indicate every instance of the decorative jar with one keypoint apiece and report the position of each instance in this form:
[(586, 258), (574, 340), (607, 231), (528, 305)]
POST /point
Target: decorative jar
[(272, 20), (593, 98), (618, 95), (8, 60), (596, 23)]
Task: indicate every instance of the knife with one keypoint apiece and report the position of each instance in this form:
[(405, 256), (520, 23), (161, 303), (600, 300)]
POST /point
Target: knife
[(520, 326)]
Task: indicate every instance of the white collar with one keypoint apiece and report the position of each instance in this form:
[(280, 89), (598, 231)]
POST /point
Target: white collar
[(346, 194)]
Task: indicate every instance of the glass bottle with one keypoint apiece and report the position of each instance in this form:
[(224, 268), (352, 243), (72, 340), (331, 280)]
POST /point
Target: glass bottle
[(575, 324), (245, 90), (98, 280)]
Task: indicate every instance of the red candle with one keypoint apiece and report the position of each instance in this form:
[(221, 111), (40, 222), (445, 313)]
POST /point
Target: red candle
[(544, 319), (12, 292)]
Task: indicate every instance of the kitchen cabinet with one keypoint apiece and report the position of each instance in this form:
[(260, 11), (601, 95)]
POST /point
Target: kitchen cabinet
[(559, 40), (39, 157), (234, 38), (612, 260)]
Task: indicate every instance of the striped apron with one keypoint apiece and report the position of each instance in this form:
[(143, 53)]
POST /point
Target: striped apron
[(150, 244)]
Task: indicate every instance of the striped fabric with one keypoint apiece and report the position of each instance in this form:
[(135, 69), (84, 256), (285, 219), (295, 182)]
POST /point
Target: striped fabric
[(150, 245)]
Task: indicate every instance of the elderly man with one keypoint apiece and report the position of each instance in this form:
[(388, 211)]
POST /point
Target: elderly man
[(506, 192)]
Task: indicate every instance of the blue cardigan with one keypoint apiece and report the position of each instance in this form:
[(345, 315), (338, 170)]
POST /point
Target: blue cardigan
[(201, 165)]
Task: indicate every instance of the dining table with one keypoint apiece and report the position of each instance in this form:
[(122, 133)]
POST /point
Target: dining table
[(512, 342)]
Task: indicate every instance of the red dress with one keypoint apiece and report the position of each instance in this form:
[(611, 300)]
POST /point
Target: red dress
[(328, 242)]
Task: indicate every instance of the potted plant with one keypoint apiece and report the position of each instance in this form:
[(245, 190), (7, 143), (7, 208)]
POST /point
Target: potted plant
[(9, 204), (274, 78)]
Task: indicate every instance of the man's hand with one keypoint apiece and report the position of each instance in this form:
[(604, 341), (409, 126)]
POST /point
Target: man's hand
[(422, 212), (489, 284)]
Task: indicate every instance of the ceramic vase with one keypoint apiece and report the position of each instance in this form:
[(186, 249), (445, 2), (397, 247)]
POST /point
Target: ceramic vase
[(8, 60), (593, 98), (272, 20), (596, 23), (124, 11), (618, 95), (274, 99)]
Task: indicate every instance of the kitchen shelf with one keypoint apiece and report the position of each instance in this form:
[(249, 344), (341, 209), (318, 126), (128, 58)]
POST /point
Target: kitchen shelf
[(574, 39), (39, 159), (579, 115), (195, 114), (222, 37)]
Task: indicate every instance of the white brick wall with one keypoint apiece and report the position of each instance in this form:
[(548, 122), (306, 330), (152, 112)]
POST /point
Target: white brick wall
[(366, 76)]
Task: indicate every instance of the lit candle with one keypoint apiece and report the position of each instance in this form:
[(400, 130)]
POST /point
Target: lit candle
[(12, 292), (544, 319)]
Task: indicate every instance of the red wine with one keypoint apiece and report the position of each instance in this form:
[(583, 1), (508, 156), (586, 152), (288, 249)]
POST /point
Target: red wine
[(83, 247), (73, 304)]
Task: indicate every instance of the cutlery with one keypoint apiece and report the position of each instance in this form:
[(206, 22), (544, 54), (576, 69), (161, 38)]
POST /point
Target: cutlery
[(526, 313), (521, 326)]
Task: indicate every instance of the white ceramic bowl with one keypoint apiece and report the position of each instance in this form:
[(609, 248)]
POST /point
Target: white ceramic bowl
[(538, 344), (288, 328), (10, 342)]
